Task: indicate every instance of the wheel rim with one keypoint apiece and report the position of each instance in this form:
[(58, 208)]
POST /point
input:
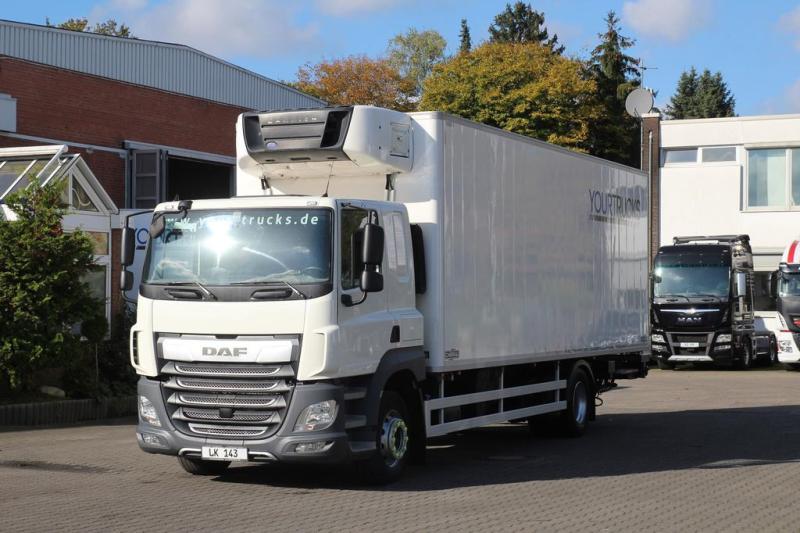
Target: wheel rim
[(580, 403), (394, 438)]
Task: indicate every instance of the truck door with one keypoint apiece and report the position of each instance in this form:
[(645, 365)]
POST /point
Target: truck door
[(364, 328)]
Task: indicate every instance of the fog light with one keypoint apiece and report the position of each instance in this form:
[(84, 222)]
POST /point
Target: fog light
[(312, 447), (148, 412), (658, 338), (153, 440), (317, 416), (725, 337), (722, 348)]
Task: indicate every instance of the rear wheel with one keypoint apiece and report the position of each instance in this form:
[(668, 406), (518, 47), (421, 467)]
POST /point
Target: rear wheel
[(579, 395), (198, 467), (389, 460)]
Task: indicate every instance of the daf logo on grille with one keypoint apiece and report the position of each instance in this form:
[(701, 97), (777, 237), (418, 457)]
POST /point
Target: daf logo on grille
[(689, 319), (227, 352)]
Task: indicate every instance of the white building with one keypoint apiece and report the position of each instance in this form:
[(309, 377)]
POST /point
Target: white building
[(731, 176)]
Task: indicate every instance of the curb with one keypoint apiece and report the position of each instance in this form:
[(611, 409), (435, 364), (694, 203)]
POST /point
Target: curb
[(66, 411)]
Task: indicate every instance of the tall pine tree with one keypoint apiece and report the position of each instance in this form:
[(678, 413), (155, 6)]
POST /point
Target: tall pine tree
[(465, 38), (703, 95), (521, 23), (615, 135)]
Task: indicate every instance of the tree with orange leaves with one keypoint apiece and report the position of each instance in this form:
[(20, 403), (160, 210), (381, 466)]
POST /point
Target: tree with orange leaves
[(356, 80)]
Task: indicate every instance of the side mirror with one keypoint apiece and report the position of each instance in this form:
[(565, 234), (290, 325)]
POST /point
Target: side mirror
[(126, 280), (740, 287), (157, 226), (128, 246), (371, 281), (774, 276), (372, 245)]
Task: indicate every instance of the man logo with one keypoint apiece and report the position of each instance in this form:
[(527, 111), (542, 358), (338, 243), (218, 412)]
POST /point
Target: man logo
[(224, 352), (689, 319)]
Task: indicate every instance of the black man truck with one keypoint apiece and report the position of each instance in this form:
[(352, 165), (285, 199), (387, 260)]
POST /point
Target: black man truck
[(702, 303), (382, 278)]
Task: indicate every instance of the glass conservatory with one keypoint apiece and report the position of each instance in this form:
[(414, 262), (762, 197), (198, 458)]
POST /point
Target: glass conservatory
[(90, 207)]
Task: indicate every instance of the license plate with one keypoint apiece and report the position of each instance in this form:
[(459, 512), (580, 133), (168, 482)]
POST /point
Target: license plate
[(224, 453), (690, 345)]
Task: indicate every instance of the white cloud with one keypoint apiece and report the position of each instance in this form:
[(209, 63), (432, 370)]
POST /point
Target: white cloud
[(672, 21), (353, 7), (790, 23), (226, 28)]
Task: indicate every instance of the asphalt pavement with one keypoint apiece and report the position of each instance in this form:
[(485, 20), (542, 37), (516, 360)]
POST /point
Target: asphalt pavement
[(685, 450)]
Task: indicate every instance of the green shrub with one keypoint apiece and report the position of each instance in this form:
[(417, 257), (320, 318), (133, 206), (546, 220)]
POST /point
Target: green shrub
[(42, 295)]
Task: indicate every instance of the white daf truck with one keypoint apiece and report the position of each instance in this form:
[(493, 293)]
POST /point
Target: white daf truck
[(382, 278)]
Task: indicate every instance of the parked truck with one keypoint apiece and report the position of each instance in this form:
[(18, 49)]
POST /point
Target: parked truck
[(702, 304), (785, 287), (382, 278)]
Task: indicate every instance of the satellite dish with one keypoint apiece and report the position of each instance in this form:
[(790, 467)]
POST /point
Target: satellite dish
[(639, 102)]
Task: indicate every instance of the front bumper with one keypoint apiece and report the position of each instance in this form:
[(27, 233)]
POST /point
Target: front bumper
[(278, 447), (787, 347), (708, 350)]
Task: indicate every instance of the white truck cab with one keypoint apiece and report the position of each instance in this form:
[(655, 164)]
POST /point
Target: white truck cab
[(380, 278), (785, 287)]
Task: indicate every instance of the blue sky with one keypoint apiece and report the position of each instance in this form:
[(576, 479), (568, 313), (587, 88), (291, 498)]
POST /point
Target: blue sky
[(756, 45)]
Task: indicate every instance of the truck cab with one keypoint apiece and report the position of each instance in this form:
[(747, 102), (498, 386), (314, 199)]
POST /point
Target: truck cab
[(702, 303), (785, 287)]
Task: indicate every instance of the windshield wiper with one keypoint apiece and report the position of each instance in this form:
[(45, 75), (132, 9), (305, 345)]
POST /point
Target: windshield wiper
[(207, 293), (701, 295), (288, 285)]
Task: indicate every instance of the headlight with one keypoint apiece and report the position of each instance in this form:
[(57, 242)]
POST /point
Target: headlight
[(658, 338), (724, 338), (786, 346), (317, 416), (148, 412)]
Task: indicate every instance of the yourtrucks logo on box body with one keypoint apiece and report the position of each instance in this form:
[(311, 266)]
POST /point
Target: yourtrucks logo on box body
[(615, 206)]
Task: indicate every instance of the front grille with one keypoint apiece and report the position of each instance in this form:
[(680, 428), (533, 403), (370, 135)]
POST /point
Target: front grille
[(700, 338), (227, 400), (232, 432)]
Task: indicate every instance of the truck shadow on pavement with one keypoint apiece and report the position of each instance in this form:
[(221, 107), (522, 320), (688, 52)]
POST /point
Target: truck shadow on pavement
[(615, 445)]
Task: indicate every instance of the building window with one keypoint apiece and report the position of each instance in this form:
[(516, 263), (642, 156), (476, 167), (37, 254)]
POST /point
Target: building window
[(773, 178), (680, 155), (718, 154)]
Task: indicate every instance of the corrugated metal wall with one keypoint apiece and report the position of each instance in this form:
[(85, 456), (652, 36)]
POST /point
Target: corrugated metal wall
[(169, 67)]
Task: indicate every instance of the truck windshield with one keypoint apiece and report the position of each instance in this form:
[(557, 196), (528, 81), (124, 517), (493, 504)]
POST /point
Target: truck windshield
[(224, 247), (691, 280), (789, 285)]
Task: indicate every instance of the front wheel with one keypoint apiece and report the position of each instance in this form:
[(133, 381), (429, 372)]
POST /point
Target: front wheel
[(389, 460), (773, 352), (198, 467), (747, 355), (579, 395)]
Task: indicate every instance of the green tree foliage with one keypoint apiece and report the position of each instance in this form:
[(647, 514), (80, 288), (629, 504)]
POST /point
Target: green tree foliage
[(109, 27), (521, 23), (703, 95), (615, 135), (464, 37), (414, 53), (42, 295), (526, 88)]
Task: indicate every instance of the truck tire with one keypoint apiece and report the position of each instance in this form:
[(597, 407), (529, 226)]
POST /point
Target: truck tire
[(198, 467), (747, 355), (579, 395), (773, 352), (665, 365), (392, 438)]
